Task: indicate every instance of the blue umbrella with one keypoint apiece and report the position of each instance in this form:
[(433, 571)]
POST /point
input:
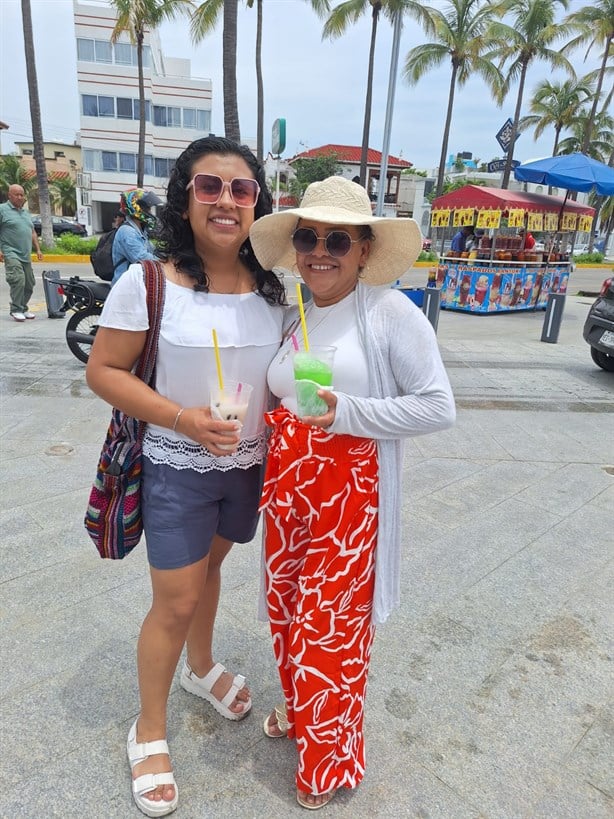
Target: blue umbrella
[(576, 172)]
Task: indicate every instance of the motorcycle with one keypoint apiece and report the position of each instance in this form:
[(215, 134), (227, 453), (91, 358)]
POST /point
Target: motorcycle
[(85, 297), (599, 327)]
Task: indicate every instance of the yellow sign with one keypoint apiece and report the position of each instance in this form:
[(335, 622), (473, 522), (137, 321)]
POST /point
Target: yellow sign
[(535, 221), (489, 219), (515, 218), (569, 221), (440, 218), (551, 221), (585, 223), (463, 217)]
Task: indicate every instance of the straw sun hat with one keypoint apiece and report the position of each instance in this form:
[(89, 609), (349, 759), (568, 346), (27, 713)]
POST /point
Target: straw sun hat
[(337, 201)]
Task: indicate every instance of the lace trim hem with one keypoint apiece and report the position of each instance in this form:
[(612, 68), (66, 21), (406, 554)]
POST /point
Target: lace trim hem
[(181, 454)]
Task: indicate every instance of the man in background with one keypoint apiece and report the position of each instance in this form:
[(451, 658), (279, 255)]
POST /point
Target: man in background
[(17, 236), (459, 240)]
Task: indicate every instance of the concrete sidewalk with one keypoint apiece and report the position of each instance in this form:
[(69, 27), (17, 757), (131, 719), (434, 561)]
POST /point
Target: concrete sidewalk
[(490, 689)]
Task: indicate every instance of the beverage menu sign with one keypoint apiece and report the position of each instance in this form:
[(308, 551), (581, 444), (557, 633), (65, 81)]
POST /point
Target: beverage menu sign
[(488, 219), (515, 218), (463, 217), (585, 223), (551, 221), (535, 221), (569, 221), (440, 218)]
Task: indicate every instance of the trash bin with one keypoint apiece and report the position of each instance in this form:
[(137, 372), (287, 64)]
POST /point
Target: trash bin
[(53, 297), (431, 304), (553, 318)]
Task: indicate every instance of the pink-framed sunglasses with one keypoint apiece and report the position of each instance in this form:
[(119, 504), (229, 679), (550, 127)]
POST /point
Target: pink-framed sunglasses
[(209, 189)]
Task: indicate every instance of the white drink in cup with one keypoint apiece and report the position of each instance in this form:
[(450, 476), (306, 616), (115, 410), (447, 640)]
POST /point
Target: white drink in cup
[(229, 403), (313, 371)]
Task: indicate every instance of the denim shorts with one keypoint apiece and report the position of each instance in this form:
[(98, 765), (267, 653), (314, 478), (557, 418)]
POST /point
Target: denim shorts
[(184, 509)]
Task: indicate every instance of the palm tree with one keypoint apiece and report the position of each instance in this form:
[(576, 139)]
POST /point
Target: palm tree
[(135, 17), (601, 141), (204, 20), (530, 36), (350, 11), (37, 128), (259, 82), (12, 172), (555, 104), (64, 194), (595, 24), (459, 33)]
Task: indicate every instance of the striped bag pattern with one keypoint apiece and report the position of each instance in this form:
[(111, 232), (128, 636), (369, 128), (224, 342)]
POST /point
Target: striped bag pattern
[(113, 517)]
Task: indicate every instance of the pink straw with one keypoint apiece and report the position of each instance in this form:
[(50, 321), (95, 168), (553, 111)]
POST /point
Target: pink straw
[(239, 388), (294, 341)]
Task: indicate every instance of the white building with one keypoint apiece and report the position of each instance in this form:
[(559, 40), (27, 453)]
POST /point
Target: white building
[(177, 111)]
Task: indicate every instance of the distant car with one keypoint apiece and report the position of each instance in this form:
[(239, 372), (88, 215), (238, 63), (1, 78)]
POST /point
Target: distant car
[(598, 329), (598, 246), (60, 225)]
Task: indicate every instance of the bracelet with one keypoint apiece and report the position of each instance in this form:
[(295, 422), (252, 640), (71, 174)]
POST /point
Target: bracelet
[(177, 417)]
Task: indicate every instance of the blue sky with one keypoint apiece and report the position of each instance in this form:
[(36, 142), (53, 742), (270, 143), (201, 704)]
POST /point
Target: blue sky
[(318, 86)]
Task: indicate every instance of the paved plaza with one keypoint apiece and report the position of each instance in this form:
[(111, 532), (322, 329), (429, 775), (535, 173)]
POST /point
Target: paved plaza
[(490, 691)]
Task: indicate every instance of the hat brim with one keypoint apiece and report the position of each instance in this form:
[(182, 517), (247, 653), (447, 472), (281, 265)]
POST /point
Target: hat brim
[(396, 246)]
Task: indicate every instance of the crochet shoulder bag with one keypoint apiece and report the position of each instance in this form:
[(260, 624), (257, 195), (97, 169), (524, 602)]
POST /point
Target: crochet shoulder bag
[(113, 517)]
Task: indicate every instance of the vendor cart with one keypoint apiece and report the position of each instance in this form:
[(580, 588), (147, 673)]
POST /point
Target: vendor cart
[(498, 274)]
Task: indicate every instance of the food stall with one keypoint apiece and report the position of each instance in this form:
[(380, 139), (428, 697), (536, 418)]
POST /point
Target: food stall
[(498, 274)]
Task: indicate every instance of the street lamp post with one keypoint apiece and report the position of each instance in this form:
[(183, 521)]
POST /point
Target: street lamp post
[(392, 81)]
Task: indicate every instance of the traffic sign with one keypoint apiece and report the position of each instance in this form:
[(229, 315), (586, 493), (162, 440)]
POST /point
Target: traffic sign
[(499, 165), (278, 134), (504, 135)]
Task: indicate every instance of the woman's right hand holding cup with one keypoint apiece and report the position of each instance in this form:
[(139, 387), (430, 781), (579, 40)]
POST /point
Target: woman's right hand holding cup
[(218, 436)]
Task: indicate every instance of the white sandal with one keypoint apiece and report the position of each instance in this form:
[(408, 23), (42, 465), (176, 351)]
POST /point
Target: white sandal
[(139, 752), (201, 687)]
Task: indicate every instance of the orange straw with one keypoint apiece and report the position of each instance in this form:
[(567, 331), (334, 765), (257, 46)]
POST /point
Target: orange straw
[(301, 310)]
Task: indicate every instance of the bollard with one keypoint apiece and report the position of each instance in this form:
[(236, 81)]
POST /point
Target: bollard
[(53, 298), (431, 304), (553, 317)]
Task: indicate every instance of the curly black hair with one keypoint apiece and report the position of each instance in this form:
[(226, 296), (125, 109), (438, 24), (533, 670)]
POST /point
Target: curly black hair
[(175, 239)]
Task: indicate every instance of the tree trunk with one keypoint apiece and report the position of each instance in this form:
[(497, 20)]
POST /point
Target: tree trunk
[(140, 162), (367, 121), (446, 131), (260, 86), (510, 151), (555, 147), (37, 130), (229, 41), (591, 119)]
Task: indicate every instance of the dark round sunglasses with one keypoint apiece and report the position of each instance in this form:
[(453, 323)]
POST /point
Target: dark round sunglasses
[(209, 189), (337, 243)]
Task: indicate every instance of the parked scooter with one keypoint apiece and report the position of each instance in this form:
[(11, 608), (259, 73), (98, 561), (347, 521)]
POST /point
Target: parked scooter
[(85, 297), (599, 327)]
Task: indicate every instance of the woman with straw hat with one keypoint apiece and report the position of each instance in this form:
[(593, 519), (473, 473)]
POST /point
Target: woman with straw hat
[(201, 481), (332, 493)]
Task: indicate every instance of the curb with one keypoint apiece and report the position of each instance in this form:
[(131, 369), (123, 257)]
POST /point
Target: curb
[(56, 257)]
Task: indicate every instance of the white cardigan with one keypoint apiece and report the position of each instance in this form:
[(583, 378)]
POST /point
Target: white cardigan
[(411, 396)]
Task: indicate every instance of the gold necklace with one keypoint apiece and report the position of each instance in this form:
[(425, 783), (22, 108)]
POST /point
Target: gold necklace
[(223, 293)]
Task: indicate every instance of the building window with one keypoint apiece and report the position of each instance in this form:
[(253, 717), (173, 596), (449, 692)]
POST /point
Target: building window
[(27, 152), (109, 161), (58, 154), (204, 121), (85, 50), (127, 163), (106, 106), (189, 117), (123, 53), (103, 51), (161, 166), (124, 108), (89, 105), (149, 164), (137, 108)]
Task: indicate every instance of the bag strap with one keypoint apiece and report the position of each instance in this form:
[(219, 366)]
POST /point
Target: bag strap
[(155, 286)]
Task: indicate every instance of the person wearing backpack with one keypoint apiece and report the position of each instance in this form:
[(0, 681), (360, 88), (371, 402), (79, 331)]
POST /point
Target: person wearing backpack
[(131, 242)]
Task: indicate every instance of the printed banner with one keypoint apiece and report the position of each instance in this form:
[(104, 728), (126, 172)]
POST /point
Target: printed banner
[(515, 218), (463, 217), (551, 221), (535, 221), (488, 219), (440, 218), (569, 221), (585, 223)]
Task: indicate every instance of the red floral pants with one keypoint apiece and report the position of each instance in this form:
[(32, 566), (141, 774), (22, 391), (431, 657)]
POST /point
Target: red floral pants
[(320, 512)]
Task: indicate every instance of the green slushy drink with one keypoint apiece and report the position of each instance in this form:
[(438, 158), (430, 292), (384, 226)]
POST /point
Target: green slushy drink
[(312, 371)]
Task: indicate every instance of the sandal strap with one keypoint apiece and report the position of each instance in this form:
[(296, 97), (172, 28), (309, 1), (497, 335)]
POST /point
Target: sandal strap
[(282, 717), (236, 685), (139, 751), (210, 679), (148, 782)]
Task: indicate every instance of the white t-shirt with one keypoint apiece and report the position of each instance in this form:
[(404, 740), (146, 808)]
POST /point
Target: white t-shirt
[(249, 334), (335, 326)]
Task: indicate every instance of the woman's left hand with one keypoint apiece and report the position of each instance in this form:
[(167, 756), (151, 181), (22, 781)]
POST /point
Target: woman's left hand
[(327, 419)]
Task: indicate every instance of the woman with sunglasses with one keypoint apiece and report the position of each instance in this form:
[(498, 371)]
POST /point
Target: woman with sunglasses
[(201, 479), (332, 493)]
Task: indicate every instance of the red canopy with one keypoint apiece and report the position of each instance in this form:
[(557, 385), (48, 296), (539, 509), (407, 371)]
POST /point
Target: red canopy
[(480, 198)]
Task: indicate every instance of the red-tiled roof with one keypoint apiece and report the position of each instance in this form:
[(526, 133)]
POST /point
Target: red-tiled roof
[(50, 176), (350, 154)]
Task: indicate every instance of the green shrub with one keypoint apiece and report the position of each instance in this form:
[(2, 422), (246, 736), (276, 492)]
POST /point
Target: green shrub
[(587, 258), (428, 256), (73, 245)]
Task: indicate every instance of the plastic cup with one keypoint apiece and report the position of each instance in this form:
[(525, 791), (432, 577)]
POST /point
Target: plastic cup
[(230, 403), (312, 371)]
